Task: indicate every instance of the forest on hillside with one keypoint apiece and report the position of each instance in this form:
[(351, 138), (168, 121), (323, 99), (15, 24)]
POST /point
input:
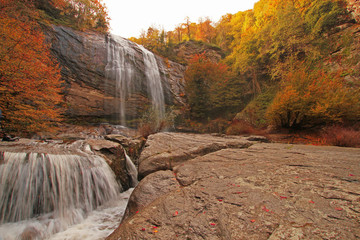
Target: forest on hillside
[(288, 64)]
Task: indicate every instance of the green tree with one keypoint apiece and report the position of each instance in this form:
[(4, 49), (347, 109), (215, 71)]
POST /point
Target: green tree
[(207, 88), (323, 16)]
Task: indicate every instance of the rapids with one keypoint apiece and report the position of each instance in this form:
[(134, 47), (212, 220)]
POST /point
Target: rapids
[(59, 191)]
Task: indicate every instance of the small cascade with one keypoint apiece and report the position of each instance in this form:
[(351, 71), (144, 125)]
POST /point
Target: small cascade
[(129, 79), (45, 193), (132, 170)]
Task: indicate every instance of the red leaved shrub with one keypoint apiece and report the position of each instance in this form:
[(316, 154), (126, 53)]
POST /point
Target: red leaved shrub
[(240, 127), (341, 136)]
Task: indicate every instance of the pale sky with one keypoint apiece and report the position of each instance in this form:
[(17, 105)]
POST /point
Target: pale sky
[(129, 17)]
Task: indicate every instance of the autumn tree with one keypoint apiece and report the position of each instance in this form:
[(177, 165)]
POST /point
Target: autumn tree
[(223, 38), (187, 27), (205, 31), (29, 78), (210, 90), (78, 14), (311, 96)]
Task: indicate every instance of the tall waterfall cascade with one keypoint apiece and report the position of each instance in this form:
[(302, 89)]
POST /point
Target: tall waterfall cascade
[(120, 56), (155, 88), (42, 194), (122, 67)]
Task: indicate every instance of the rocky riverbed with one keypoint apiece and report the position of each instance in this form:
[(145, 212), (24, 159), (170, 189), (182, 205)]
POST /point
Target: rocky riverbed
[(213, 187)]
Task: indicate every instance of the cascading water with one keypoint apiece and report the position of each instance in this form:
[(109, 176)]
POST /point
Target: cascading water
[(155, 89), (42, 194), (132, 170), (122, 68)]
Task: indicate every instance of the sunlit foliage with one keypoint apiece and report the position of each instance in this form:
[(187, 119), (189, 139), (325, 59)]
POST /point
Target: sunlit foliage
[(279, 46), (78, 14), (311, 96)]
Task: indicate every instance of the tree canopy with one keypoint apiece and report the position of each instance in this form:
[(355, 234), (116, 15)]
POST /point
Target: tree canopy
[(273, 45), (29, 78), (78, 14)]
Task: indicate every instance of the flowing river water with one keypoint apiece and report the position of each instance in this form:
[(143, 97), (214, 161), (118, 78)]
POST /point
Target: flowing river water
[(68, 193)]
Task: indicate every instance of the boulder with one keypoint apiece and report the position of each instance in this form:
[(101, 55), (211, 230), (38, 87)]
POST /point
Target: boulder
[(164, 151), (132, 145), (113, 153), (265, 191), (155, 186)]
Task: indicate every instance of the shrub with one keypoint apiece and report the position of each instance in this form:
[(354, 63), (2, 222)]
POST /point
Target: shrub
[(312, 97), (341, 136), (324, 15), (218, 125), (151, 122), (254, 112), (30, 80), (241, 127), (204, 87)]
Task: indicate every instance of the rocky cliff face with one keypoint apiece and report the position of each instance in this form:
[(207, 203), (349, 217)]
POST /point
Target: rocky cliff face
[(91, 93), (346, 39), (186, 50)]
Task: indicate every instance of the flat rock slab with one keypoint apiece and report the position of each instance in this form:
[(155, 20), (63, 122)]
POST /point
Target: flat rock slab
[(164, 151), (266, 191)]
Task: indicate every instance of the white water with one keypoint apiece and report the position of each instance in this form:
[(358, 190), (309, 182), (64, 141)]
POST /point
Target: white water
[(100, 223), (121, 68), (120, 56), (96, 226), (73, 195), (132, 170), (155, 88)]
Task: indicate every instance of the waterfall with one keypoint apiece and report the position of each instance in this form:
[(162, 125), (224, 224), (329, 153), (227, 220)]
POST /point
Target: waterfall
[(42, 194), (132, 171), (120, 58), (123, 67), (155, 90)]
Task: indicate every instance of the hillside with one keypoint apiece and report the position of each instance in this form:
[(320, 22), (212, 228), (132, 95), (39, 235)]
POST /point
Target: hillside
[(274, 53)]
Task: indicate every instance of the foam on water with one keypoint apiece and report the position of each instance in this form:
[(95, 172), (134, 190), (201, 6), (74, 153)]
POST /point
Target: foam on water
[(96, 226), (70, 193)]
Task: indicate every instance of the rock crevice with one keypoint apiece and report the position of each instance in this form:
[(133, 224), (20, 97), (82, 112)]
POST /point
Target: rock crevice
[(165, 151)]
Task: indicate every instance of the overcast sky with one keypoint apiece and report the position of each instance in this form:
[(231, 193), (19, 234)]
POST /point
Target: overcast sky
[(129, 17)]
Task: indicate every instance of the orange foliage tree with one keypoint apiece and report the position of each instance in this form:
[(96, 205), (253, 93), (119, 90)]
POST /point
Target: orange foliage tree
[(205, 31), (311, 97), (30, 82)]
